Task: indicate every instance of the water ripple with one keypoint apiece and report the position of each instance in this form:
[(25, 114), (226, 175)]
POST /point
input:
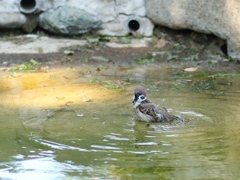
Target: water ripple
[(146, 144), (39, 168), (112, 137), (192, 113), (60, 146), (105, 147)]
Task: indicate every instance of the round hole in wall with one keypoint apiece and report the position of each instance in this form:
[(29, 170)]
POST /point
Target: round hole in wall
[(133, 25), (28, 4)]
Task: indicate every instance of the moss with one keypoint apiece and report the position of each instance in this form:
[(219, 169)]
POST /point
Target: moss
[(197, 86), (146, 59), (31, 65)]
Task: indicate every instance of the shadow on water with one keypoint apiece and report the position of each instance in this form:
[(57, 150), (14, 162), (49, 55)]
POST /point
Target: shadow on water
[(57, 125)]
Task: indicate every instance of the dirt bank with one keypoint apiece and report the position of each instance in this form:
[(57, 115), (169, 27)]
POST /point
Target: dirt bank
[(167, 48)]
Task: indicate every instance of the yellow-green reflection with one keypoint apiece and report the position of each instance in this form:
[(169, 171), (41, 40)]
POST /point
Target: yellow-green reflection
[(43, 90)]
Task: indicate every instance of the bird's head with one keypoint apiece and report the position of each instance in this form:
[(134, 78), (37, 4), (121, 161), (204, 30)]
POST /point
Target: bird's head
[(139, 96)]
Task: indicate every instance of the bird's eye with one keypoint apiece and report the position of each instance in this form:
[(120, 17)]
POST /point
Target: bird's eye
[(142, 97)]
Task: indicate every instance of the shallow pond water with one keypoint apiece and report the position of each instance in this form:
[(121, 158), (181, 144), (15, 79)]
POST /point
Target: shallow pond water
[(58, 125)]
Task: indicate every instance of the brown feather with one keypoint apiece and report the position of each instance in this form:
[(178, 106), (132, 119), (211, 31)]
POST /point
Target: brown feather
[(140, 90), (159, 114)]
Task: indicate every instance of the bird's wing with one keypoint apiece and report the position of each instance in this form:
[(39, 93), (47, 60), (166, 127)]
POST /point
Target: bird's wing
[(167, 116), (157, 112), (160, 109)]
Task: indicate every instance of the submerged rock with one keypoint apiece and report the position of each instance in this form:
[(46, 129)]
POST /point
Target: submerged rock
[(68, 20)]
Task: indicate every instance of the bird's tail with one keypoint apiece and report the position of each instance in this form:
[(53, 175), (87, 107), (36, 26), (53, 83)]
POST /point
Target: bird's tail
[(179, 118)]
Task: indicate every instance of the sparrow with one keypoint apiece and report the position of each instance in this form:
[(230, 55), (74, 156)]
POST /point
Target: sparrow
[(150, 112)]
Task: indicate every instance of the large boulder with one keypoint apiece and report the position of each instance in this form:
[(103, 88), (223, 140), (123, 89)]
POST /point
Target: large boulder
[(218, 17), (68, 20)]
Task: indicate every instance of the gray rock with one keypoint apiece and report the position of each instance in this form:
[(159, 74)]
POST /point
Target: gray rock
[(12, 20), (9, 6), (68, 20), (108, 10), (218, 17)]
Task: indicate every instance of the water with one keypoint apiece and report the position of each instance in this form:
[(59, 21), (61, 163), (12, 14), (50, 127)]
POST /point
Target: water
[(57, 125)]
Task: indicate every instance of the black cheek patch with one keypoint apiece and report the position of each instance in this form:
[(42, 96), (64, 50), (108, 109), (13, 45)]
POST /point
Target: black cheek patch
[(136, 97)]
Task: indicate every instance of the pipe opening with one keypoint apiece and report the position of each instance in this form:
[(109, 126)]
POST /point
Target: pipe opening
[(28, 6), (133, 25)]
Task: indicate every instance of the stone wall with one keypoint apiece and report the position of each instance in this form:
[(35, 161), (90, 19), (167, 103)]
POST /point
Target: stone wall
[(120, 17), (114, 16)]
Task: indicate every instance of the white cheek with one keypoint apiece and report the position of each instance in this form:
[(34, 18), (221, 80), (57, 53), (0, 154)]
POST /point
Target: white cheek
[(140, 98)]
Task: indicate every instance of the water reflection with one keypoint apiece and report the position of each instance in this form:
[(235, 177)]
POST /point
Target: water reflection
[(43, 167), (75, 131)]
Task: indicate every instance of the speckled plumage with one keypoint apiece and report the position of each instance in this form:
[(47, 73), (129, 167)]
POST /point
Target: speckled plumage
[(150, 112)]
